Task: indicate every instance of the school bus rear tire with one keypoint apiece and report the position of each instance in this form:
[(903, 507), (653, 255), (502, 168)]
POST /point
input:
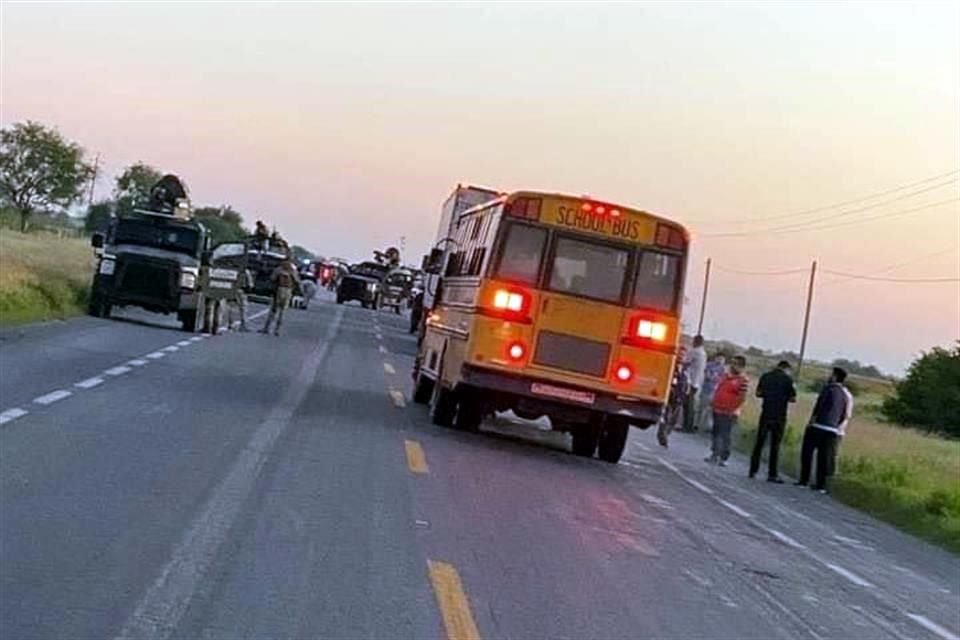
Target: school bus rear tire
[(423, 389), (469, 413), (585, 437), (613, 439), (443, 406)]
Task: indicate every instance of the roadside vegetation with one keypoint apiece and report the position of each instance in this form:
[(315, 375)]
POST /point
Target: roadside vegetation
[(42, 276), (902, 475)]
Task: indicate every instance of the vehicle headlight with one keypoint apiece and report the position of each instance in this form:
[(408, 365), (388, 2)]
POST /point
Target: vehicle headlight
[(107, 266), (188, 279)]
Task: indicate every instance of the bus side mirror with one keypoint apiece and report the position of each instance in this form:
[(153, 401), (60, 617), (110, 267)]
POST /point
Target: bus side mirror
[(433, 262), (96, 241)]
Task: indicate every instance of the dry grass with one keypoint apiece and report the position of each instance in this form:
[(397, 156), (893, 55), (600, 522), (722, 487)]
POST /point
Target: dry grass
[(42, 276), (906, 477)]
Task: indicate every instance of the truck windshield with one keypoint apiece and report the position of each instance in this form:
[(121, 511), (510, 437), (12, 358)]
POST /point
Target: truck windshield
[(157, 234)]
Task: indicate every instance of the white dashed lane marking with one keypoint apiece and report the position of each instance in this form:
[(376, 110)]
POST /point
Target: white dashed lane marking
[(389, 368), (89, 383), (398, 398), (118, 371), (383, 350), (183, 343), (784, 538), (137, 362), (929, 625), (171, 348), (12, 414), (849, 575), (156, 355), (737, 510), (53, 396), (196, 338)]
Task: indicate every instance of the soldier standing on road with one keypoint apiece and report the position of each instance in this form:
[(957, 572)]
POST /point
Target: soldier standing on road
[(727, 399), (777, 390), (244, 282), (284, 278), (827, 425)]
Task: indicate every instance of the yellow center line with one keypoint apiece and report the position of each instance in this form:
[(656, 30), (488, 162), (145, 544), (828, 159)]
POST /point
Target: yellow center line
[(453, 602), (416, 459)]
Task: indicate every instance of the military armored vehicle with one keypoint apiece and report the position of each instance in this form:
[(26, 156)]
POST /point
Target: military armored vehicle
[(152, 258)]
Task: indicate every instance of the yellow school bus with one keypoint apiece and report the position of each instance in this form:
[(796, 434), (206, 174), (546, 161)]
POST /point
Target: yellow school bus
[(558, 306)]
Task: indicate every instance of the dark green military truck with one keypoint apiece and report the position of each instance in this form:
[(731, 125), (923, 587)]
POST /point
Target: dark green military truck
[(151, 260)]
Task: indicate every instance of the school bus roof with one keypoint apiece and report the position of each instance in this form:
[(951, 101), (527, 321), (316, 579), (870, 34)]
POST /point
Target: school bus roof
[(582, 201)]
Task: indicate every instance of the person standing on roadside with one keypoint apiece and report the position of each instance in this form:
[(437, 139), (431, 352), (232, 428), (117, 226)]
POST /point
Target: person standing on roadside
[(828, 424), (711, 377), (696, 367), (727, 399), (777, 391), (285, 278), (676, 400)]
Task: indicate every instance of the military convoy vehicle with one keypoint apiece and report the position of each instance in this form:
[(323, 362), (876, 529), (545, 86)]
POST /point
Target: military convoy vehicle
[(152, 259)]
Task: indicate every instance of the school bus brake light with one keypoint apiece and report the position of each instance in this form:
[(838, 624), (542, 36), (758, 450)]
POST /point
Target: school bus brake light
[(624, 373), (517, 351), (509, 300), (650, 330)]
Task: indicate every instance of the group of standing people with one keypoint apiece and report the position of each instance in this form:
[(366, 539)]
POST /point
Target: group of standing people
[(711, 392)]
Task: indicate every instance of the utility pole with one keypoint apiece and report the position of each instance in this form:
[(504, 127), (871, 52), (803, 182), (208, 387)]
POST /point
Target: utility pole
[(806, 317), (703, 302), (93, 180)]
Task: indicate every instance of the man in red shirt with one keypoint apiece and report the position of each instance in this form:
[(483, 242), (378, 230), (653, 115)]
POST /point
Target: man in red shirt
[(729, 396)]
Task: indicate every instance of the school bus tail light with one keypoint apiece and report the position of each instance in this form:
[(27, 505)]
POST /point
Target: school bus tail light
[(650, 330), (624, 372), (506, 300), (517, 351)]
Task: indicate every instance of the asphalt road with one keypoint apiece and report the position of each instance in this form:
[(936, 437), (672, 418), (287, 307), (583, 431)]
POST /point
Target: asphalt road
[(249, 486)]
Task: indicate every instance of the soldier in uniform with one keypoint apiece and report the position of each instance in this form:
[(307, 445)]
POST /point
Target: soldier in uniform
[(244, 282), (285, 279)]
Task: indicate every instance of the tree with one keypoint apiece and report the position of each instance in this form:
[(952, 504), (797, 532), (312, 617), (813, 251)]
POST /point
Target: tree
[(133, 186), (98, 216), (224, 223), (929, 396), (39, 169)]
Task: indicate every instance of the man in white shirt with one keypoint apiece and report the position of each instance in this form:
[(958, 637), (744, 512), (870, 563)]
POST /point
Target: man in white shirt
[(696, 366)]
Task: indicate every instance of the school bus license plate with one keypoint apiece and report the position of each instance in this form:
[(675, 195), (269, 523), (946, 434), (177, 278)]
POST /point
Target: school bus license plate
[(583, 397)]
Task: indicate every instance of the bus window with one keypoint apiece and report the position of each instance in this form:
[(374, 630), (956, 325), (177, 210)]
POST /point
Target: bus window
[(657, 277), (589, 269), (521, 254)]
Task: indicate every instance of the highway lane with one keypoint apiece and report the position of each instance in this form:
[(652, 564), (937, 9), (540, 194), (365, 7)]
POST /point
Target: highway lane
[(247, 486)]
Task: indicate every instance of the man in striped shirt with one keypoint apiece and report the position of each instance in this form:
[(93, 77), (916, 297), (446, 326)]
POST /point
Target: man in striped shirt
[(828, 424)]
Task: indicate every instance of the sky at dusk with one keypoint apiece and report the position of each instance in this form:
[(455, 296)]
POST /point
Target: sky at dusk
[(346, 126)]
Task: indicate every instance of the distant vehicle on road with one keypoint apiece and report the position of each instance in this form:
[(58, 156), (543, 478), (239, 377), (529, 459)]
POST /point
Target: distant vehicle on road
[(362, 282), (396, 289), (557, 306), (151, 259)]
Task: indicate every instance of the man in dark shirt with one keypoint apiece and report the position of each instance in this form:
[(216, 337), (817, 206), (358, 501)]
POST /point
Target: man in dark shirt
[(777, 390)]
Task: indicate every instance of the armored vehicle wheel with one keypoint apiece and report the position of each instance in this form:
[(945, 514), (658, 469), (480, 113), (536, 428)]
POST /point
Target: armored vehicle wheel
[(188, 319), (613, 439)]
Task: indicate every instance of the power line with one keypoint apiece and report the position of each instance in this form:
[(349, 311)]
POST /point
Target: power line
[(859, 276), (843, 214), (836, 205), (891, 214), (746, 272)]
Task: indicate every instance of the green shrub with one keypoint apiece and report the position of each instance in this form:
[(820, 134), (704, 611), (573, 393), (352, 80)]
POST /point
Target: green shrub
[(929, 396)]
